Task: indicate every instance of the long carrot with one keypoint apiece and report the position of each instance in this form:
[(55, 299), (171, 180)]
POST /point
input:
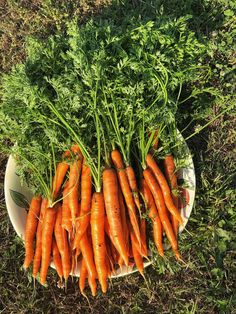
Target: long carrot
[(153, 215), (87, 252), (66, 213), (62, 243), (61, 171), (110, 191), (160, 204), (47, 232), (125, 228), (73, 188), (38, 247), (169, 166), (92, 285), (85, 204), (137, 256), (82, 276), (98, 238), (57, 259), (164, 187), (125, 187), (31, 228), (133, 185)]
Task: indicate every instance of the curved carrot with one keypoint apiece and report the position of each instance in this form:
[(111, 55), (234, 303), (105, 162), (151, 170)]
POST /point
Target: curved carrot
[(110, 191), (31, 228), (47, 232), (133, 185), (169, 166), (164, 187), (62, 243), (98, 238), (153, 215), (57, 259), (66, 213), (82, 276), (87, 252), (160, 204), (73, 189), (125, 188), (38, 247), (137, 256), (61, 171), (85, 203)]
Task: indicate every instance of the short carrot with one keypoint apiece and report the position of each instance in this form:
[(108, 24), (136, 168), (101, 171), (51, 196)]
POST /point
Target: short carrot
[(125, 188), (164, 187), (137, 256), (31, 228), (47, 232), (61, 171), (110, 191), (169, 166), (98, 238), (57, 259), (160, 204)]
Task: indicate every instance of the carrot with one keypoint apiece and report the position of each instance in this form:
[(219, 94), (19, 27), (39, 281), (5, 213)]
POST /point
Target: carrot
[(160, 204), (169, 166), (61, 171), (47, 232), (144, 251), (124, 225), (85, 205), (110, 191), (82, 276), (87, 252), (164, 187), (92, 285), (125, 188), (62, 243), (30, 229), (133, 185), (153, 215), (38, 248), (73, 185), (98, 238), (137, 256), (57, 259), (66, 213)]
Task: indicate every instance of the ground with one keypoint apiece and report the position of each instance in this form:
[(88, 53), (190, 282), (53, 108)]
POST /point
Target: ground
[(205, 283)]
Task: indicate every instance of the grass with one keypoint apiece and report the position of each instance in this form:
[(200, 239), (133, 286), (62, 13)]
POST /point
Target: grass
[(206, 282)]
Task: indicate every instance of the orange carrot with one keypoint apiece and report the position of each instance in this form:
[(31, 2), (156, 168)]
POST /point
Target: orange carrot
[(38, 248), (92, 285), (85, 206), (66, 213), (61, 170), (87, 252), (110, 191), (73, 189), (47, 232), (98, 238), (160, 204), (82, 276), (62, 243), (153, 215), (164, 187), (169, 166), (57, 259), (125, 228), (125, 188), (137, 256), (31, 228), (133, 185)]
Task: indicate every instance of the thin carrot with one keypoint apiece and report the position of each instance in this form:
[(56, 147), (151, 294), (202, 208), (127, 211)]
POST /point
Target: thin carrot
[(160, 204), (38, 247), (57, 259), (87, 252), (110, 191), (137, 256), (62, 243), (61, 171), (133, 185), (47, 232), (92, 285), (169, 167), (73, 185), (98, 237), (125, 228), (66, 213), (153, 215), (125, 187), (85, 205), (31, 228), (82, 276), (164, 187)]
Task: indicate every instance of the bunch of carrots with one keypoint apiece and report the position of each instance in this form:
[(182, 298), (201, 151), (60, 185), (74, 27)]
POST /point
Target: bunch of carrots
[(99, 231)]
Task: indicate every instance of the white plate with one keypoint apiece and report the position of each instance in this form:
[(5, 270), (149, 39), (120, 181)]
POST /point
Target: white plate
[(17, 197)]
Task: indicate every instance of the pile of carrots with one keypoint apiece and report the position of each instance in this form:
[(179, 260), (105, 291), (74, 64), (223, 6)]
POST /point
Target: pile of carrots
[(101, 230)]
